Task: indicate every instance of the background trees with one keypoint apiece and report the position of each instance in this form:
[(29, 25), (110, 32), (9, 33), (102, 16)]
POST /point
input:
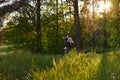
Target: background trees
[(41, 24)]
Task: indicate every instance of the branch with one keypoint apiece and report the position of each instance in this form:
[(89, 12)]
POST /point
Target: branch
[(2, 1), (12, 7), (71, 12), (31, 17), (71, 2)]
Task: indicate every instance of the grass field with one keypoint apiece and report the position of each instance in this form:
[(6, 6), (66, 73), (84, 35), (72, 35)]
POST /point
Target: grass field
[(71, 66)]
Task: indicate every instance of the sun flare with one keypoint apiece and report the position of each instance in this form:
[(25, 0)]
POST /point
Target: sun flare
[(101, 7), (105, 6)]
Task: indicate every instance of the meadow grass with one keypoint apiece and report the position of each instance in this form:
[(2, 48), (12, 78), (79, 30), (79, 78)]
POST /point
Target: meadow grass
[(15, 66), (82, 66), (71, 66)]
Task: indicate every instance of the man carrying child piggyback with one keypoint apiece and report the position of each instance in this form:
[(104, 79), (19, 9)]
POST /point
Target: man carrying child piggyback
[(68, 43)]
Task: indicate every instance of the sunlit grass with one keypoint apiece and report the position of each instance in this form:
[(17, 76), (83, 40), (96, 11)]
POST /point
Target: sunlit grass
[(71, 66), (6, 48), (82, 66)]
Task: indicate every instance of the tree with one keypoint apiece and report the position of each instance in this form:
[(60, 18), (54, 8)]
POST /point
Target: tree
[(8, 8), (14, 6), (105, 44), (113, 21), (77, 27), (57, 27), (38, 27), (3, 1)]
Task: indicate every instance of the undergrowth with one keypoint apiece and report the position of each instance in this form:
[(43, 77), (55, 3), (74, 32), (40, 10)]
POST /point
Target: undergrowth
[(71, 66)]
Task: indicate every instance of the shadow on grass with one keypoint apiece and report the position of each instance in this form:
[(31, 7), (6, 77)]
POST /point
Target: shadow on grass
[(110, 67)]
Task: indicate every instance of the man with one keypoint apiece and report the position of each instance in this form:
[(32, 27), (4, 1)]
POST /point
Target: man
[(68, 43)]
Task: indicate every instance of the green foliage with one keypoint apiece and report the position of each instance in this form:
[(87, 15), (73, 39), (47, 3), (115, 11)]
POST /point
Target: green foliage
[(17, 66), (22, 32), (81, 66), (110, 66), (90, 66), (19, 34)]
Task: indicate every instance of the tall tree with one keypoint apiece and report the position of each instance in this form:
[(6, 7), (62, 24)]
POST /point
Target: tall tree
[(14, 6), (77, 27), (21, 3), (8, 8), (57, 26), (62, 10), (105, 44), (38, 26)]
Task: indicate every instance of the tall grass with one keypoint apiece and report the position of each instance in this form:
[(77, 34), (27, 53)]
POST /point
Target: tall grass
[(81, 66), (18, 65), (71, 66), (110, 66)]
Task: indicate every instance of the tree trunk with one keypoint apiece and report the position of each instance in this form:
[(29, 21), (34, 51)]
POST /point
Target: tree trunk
[(57, 28), (77, 26), (93, 20), (38, 28), (62, 11), (105, 45)]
